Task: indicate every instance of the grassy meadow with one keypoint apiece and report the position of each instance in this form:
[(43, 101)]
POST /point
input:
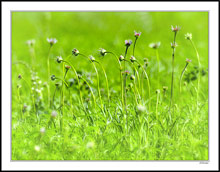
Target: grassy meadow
[(81, 90)]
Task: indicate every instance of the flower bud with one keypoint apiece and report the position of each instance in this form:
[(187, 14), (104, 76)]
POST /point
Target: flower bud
[(128, 43), (52, 41), (102, 52), (67, 67), (188, 60), (53, 77), (121, 58), (133, 59), (91, 58), (157, 91), (59, 59), (165, 88), (126, 73), (137, 34), (132, 77), (75, 52), (155, 45), (19, 76)]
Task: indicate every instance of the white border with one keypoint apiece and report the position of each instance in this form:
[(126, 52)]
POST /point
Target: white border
[(110, 6)]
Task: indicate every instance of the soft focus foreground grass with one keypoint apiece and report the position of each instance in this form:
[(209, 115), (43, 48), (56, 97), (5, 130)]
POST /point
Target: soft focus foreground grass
[(89, 31)]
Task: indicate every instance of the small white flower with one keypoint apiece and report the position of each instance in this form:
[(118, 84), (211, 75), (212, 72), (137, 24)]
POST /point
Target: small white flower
[(188, 36), (30, 42), (42, 130), (90, 145), (37, 148), (39, 82), (52, 41), (141, 108), (53, 113)]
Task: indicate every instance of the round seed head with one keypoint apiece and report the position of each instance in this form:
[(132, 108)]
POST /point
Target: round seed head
[(91, 58), (75, 52), (53, 77), (102, 52), (59, 59), (121, 58), (188, 36), (132, 77), (53, 114), (137, 34), (133, 59), (128, 43), (52, 41), (175, 29)]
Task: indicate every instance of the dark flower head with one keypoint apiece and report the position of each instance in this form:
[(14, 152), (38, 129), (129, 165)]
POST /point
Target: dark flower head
[(155, 45), (145, 59), (19, 76), (52, 41), (137, 34), (130, 85), (75, 52), (165, 88), (128, 43), (59, 59), (133, 59), (102, 51), (175, 29), (53, 77), (121, 58)]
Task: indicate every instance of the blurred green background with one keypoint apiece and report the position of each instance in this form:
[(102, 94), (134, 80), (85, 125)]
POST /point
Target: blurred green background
[(89, 31)]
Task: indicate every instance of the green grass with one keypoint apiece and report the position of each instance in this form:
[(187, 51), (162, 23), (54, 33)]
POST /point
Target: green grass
[(147, 130)]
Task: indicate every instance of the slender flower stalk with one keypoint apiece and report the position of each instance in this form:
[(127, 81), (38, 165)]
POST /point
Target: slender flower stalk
[(184, 69), (188, 36), (80, 94), (92, 59), (94, 99), (148, 82), (106, 79), (51, 41), (158, 94), (173, 46), (30, 44), (121, 58), (136, 35), (132, 78)]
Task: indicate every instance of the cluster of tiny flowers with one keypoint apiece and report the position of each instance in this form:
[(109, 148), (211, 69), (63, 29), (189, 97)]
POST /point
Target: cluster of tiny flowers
[(30, 42), (175, 29), (128, 43), (52, 41), (102, 52), (188, 36), (75, 52), (154, 45), (59, 59), (137, 34)]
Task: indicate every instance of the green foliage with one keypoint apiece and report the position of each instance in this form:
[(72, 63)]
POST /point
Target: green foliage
[(70, 126)]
